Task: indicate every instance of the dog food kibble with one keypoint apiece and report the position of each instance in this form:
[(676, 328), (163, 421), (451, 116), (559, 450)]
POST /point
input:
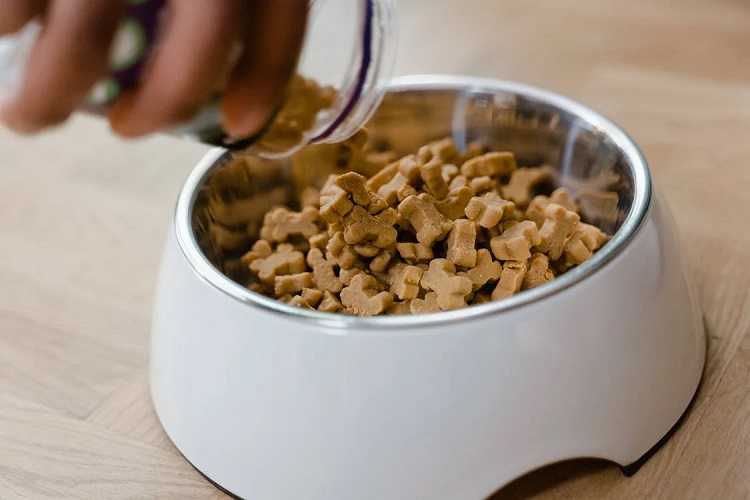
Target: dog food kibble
[(511, 279), (304, 100), (365, 296), (374, 234)]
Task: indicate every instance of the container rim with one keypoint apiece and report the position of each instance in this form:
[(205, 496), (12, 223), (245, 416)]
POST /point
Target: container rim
[(340, 323)]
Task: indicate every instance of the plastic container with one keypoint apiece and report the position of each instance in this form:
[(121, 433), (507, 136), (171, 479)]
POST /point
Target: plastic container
[(349, 46)]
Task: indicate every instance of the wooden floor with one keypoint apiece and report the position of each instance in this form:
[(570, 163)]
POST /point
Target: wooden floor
[(83, 216)]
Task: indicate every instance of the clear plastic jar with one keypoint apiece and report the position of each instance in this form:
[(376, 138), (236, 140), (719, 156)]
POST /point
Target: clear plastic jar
[(349, 46)]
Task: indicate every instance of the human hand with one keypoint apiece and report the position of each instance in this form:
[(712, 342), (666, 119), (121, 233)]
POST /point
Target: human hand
[(248, 47)]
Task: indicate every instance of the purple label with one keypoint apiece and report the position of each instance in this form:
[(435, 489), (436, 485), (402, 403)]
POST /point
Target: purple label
[(135, 37)]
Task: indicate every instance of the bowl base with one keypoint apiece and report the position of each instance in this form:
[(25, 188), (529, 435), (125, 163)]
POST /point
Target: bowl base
[(630, 469), (627, 470)]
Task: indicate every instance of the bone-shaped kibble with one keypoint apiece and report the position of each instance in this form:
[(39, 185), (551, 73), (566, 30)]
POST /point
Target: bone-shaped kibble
[(330, 303), (409, 167), (398, 308), (538, 272), (258, 288), (382, 178), (559, 224), (365, 296), (427, 305), (458, 182), (325, 277), (454, 206), (334, 201), (340, 253), (511, 279), (360, 226), (490, 164), (366, 250), (523, 182), (472, 150), (377, 204), (312, 296), (260, 249), (404, 226), (404, 192), (451, 290), (482, 185), (291, 283), (421, 212), (432, 175), (404, 281), (443, 149), (486, 270), (354, 184), (538, 205), (581, 245), (333, 228), (462, 243), (389, 191), (318, 241), (575, 252), (346, 275), (299, 301), (414, 252), (380, 262), (591, 236), (516, 241), (488, 210), (281, 223), (286, 260)]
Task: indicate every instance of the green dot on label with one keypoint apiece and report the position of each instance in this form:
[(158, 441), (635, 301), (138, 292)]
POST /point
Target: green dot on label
[(104, 92), (129, 45)]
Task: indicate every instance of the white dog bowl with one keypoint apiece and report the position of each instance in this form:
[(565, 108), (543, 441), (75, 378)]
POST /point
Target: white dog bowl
[(270, 401)]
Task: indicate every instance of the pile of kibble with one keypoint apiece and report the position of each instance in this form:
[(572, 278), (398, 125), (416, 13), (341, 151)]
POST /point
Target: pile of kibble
[(432, 231)]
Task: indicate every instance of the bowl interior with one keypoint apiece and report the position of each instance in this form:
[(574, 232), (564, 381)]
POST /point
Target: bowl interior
[(585, 158), (594, 159)]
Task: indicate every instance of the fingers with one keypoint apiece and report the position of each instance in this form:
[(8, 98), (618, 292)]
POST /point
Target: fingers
[(72, 53), (69, 57), (273, 42), (16, 13), (185, 69)]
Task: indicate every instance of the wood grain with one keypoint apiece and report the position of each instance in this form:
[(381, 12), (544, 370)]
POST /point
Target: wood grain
[(46, 454), (83, 215)]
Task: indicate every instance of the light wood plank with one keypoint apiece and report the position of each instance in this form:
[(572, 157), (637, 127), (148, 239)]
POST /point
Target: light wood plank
[(218, 495), (73, 260), (130, 412), (44, 454)]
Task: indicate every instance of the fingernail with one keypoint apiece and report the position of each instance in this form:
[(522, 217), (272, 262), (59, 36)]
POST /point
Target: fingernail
[(248, 124)]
